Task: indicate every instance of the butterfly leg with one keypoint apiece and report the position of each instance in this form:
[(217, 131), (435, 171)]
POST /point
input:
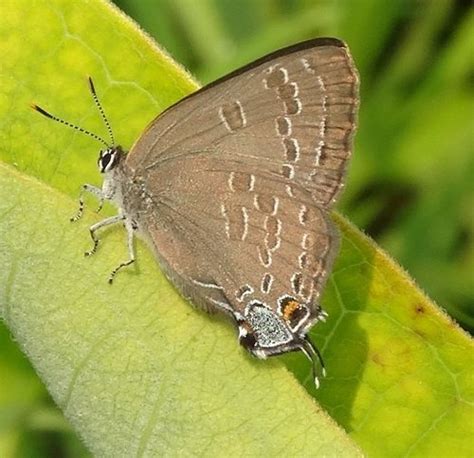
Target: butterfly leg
[(312, 353), (131, 227), (93, 190), (95, 227)]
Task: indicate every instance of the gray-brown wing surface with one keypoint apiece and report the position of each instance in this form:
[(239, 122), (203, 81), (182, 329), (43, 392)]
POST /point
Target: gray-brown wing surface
[(292, 113), (236, 236), (242, 173)]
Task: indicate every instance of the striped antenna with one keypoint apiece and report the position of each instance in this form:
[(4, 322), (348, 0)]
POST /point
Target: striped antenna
[(101, 110), (68, 124)]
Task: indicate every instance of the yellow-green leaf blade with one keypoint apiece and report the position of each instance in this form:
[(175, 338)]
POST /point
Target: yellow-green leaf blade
[(405, 368), (134, 368)]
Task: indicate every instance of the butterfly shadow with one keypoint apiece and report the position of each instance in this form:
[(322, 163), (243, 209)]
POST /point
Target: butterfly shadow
[(341, 339)]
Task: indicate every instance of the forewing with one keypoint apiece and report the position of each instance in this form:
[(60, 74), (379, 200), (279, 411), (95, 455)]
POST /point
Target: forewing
[(291, 113)]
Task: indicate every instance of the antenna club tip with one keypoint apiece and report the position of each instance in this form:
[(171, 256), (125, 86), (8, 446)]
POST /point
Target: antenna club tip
[(91, 83), (40, 110)]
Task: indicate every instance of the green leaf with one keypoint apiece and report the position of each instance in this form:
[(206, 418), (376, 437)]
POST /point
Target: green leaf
[(401, 372), (134, 368)]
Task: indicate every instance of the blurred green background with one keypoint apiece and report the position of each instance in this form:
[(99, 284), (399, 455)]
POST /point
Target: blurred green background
[(410, 183)]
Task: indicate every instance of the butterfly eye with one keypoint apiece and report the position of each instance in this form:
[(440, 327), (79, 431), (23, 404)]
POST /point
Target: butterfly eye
[(107, 160)]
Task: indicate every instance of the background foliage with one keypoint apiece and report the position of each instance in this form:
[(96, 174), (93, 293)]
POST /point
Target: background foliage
[(410, 184)]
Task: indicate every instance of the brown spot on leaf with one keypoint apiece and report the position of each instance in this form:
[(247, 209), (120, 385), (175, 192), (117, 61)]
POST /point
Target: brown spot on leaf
[(377, 359), (420, 309)]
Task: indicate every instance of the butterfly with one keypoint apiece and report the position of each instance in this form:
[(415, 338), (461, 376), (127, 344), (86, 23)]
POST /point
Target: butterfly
[(232, 187)]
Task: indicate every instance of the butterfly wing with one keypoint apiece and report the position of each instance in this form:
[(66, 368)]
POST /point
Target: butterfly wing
[(239, 176), (292, 113), (217, 230)]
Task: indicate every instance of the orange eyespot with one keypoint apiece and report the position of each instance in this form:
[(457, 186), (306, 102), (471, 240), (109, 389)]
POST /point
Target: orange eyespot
[(293, 312), (289, 308)]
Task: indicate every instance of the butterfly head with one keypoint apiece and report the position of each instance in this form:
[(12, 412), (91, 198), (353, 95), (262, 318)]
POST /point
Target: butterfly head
[(109, 158)]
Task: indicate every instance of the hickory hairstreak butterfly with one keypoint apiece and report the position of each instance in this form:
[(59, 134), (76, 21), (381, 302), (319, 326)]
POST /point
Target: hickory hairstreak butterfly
[(232, 188)]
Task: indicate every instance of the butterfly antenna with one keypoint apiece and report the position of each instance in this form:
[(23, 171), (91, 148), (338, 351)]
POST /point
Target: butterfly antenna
[(101, 110), (313, 354), (68, 124)]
